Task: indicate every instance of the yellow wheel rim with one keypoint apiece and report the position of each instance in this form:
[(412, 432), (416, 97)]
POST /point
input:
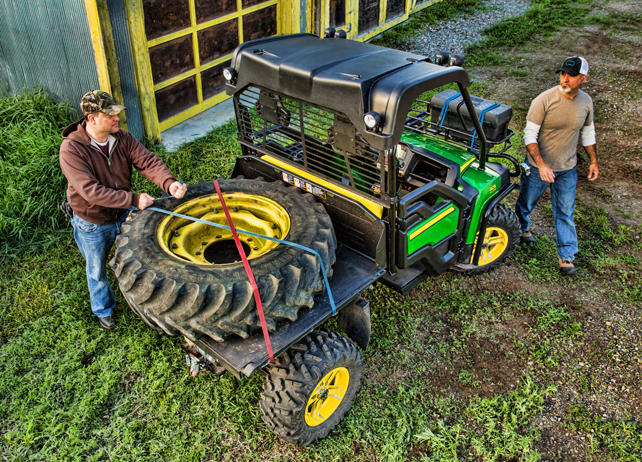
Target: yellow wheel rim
[(327, 396), (494, 245), (207, 245)]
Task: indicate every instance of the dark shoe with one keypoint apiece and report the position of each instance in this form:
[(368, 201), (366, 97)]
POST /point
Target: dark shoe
[(107, 322), (567, 268), (527, 238)]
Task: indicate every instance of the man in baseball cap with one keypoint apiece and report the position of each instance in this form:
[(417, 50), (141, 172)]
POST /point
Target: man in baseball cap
[(574, 66), (97, 159), (556, 120)]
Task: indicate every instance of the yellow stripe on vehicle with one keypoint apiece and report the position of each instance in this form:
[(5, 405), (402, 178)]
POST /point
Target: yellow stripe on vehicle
[(463, 167), (375, 208), (434, 220)]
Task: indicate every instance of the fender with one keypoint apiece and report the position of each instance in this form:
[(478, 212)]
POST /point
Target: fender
[(354, 320)]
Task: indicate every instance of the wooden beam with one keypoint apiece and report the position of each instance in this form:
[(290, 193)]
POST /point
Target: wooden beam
[(99, 47), (136, 20)]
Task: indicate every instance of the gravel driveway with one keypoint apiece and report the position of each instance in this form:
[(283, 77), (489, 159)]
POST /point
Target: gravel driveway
[(454, 35)]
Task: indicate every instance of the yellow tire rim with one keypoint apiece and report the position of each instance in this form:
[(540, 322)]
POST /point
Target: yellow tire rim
[(494, 245), (327, 396), (207, 245)]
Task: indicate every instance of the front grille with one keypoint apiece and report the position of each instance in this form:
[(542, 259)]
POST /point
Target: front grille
[(318, 140)]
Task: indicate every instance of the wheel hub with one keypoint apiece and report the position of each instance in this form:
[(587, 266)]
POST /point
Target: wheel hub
[(494, 245), (208, 245), (327, 396)]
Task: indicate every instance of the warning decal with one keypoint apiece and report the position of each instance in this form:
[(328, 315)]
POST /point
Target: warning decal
[(302, 184)]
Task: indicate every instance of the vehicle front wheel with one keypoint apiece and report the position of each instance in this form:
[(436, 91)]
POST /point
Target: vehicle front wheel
[(500, 241), (311, 386)]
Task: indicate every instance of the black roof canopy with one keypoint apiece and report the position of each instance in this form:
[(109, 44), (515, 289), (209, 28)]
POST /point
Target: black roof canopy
[(343, 75)]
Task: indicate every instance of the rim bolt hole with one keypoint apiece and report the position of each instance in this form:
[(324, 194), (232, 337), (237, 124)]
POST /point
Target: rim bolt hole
[(249, 239), (256, 248), (176, 233), (219, 236), (198, 253), (203, 243), (236, 209), (174, 246), (273, 225)]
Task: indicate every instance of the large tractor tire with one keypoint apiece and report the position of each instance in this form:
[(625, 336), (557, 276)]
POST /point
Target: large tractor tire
[(501, 240), (311, 386), (187, 278)]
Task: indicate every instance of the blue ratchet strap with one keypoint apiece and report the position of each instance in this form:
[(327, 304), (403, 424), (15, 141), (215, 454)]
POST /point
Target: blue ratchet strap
[(482, 114), (444, 109), (298, 246)]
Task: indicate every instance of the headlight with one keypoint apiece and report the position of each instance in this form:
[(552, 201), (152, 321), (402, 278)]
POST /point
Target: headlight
[(230, 74), (372, 120), (442, 58), (457, 60)]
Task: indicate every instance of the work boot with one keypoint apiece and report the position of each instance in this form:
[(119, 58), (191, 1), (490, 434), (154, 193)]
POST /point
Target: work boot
[(107, 322), (527, 238), (567, 268)]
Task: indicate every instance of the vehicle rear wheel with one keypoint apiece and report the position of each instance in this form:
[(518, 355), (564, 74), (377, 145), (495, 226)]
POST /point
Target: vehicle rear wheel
[(311, 386), (185, 277), (500, 241)]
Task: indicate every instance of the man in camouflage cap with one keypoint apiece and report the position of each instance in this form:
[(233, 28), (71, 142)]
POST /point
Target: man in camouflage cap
[(97, 159), (99, 101)]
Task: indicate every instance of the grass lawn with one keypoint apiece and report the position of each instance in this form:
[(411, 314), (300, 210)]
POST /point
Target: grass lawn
[(516, 365)]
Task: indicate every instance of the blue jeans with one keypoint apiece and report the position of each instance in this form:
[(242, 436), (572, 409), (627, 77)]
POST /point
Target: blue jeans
[(563, 202), (94, 242)]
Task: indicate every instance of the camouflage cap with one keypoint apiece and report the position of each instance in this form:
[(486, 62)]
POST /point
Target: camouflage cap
[(99, 101)]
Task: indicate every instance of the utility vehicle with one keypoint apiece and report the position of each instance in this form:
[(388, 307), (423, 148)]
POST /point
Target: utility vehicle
[(355, 151)]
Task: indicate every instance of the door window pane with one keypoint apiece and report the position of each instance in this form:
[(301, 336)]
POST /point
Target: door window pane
[(218, 40), (176, 98), (163, 17), (171, 59)]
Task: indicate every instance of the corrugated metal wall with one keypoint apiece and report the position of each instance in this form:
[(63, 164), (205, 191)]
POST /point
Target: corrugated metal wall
[(47, 43), (126, 71)]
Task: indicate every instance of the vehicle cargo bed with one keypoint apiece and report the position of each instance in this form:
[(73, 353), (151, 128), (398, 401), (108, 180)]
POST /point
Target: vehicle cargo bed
[(353, 273)]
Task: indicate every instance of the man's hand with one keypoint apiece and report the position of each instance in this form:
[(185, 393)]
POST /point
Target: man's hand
[(177, 189), (593, 172), (144, 201), (546, 173)]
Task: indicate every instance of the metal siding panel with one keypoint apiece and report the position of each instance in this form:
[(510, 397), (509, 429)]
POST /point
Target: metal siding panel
[(48, 44), (122, 43), (73, 28), (7, 75)]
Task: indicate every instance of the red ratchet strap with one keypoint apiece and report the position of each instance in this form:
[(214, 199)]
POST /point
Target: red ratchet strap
[(248, 270)]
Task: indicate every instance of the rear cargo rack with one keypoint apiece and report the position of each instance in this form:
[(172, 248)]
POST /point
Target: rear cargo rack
[(419, 121)]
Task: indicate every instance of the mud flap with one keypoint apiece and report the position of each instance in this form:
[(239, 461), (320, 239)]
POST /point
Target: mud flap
[(354, 320)]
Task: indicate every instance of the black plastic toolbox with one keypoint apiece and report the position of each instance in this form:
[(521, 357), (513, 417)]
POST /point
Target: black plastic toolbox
[(495, 120)]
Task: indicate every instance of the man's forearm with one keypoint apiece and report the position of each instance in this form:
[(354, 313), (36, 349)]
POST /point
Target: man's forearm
[(592, 152), (533, 150)]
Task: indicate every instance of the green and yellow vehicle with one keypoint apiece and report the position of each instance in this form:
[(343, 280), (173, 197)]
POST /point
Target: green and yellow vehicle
[(342, 153)]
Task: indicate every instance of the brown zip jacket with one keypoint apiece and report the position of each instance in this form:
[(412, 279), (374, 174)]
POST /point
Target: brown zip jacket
[(99, 186)]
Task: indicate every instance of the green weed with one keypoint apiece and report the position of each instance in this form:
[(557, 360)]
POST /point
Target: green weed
[(491, 428), (622, 438)]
